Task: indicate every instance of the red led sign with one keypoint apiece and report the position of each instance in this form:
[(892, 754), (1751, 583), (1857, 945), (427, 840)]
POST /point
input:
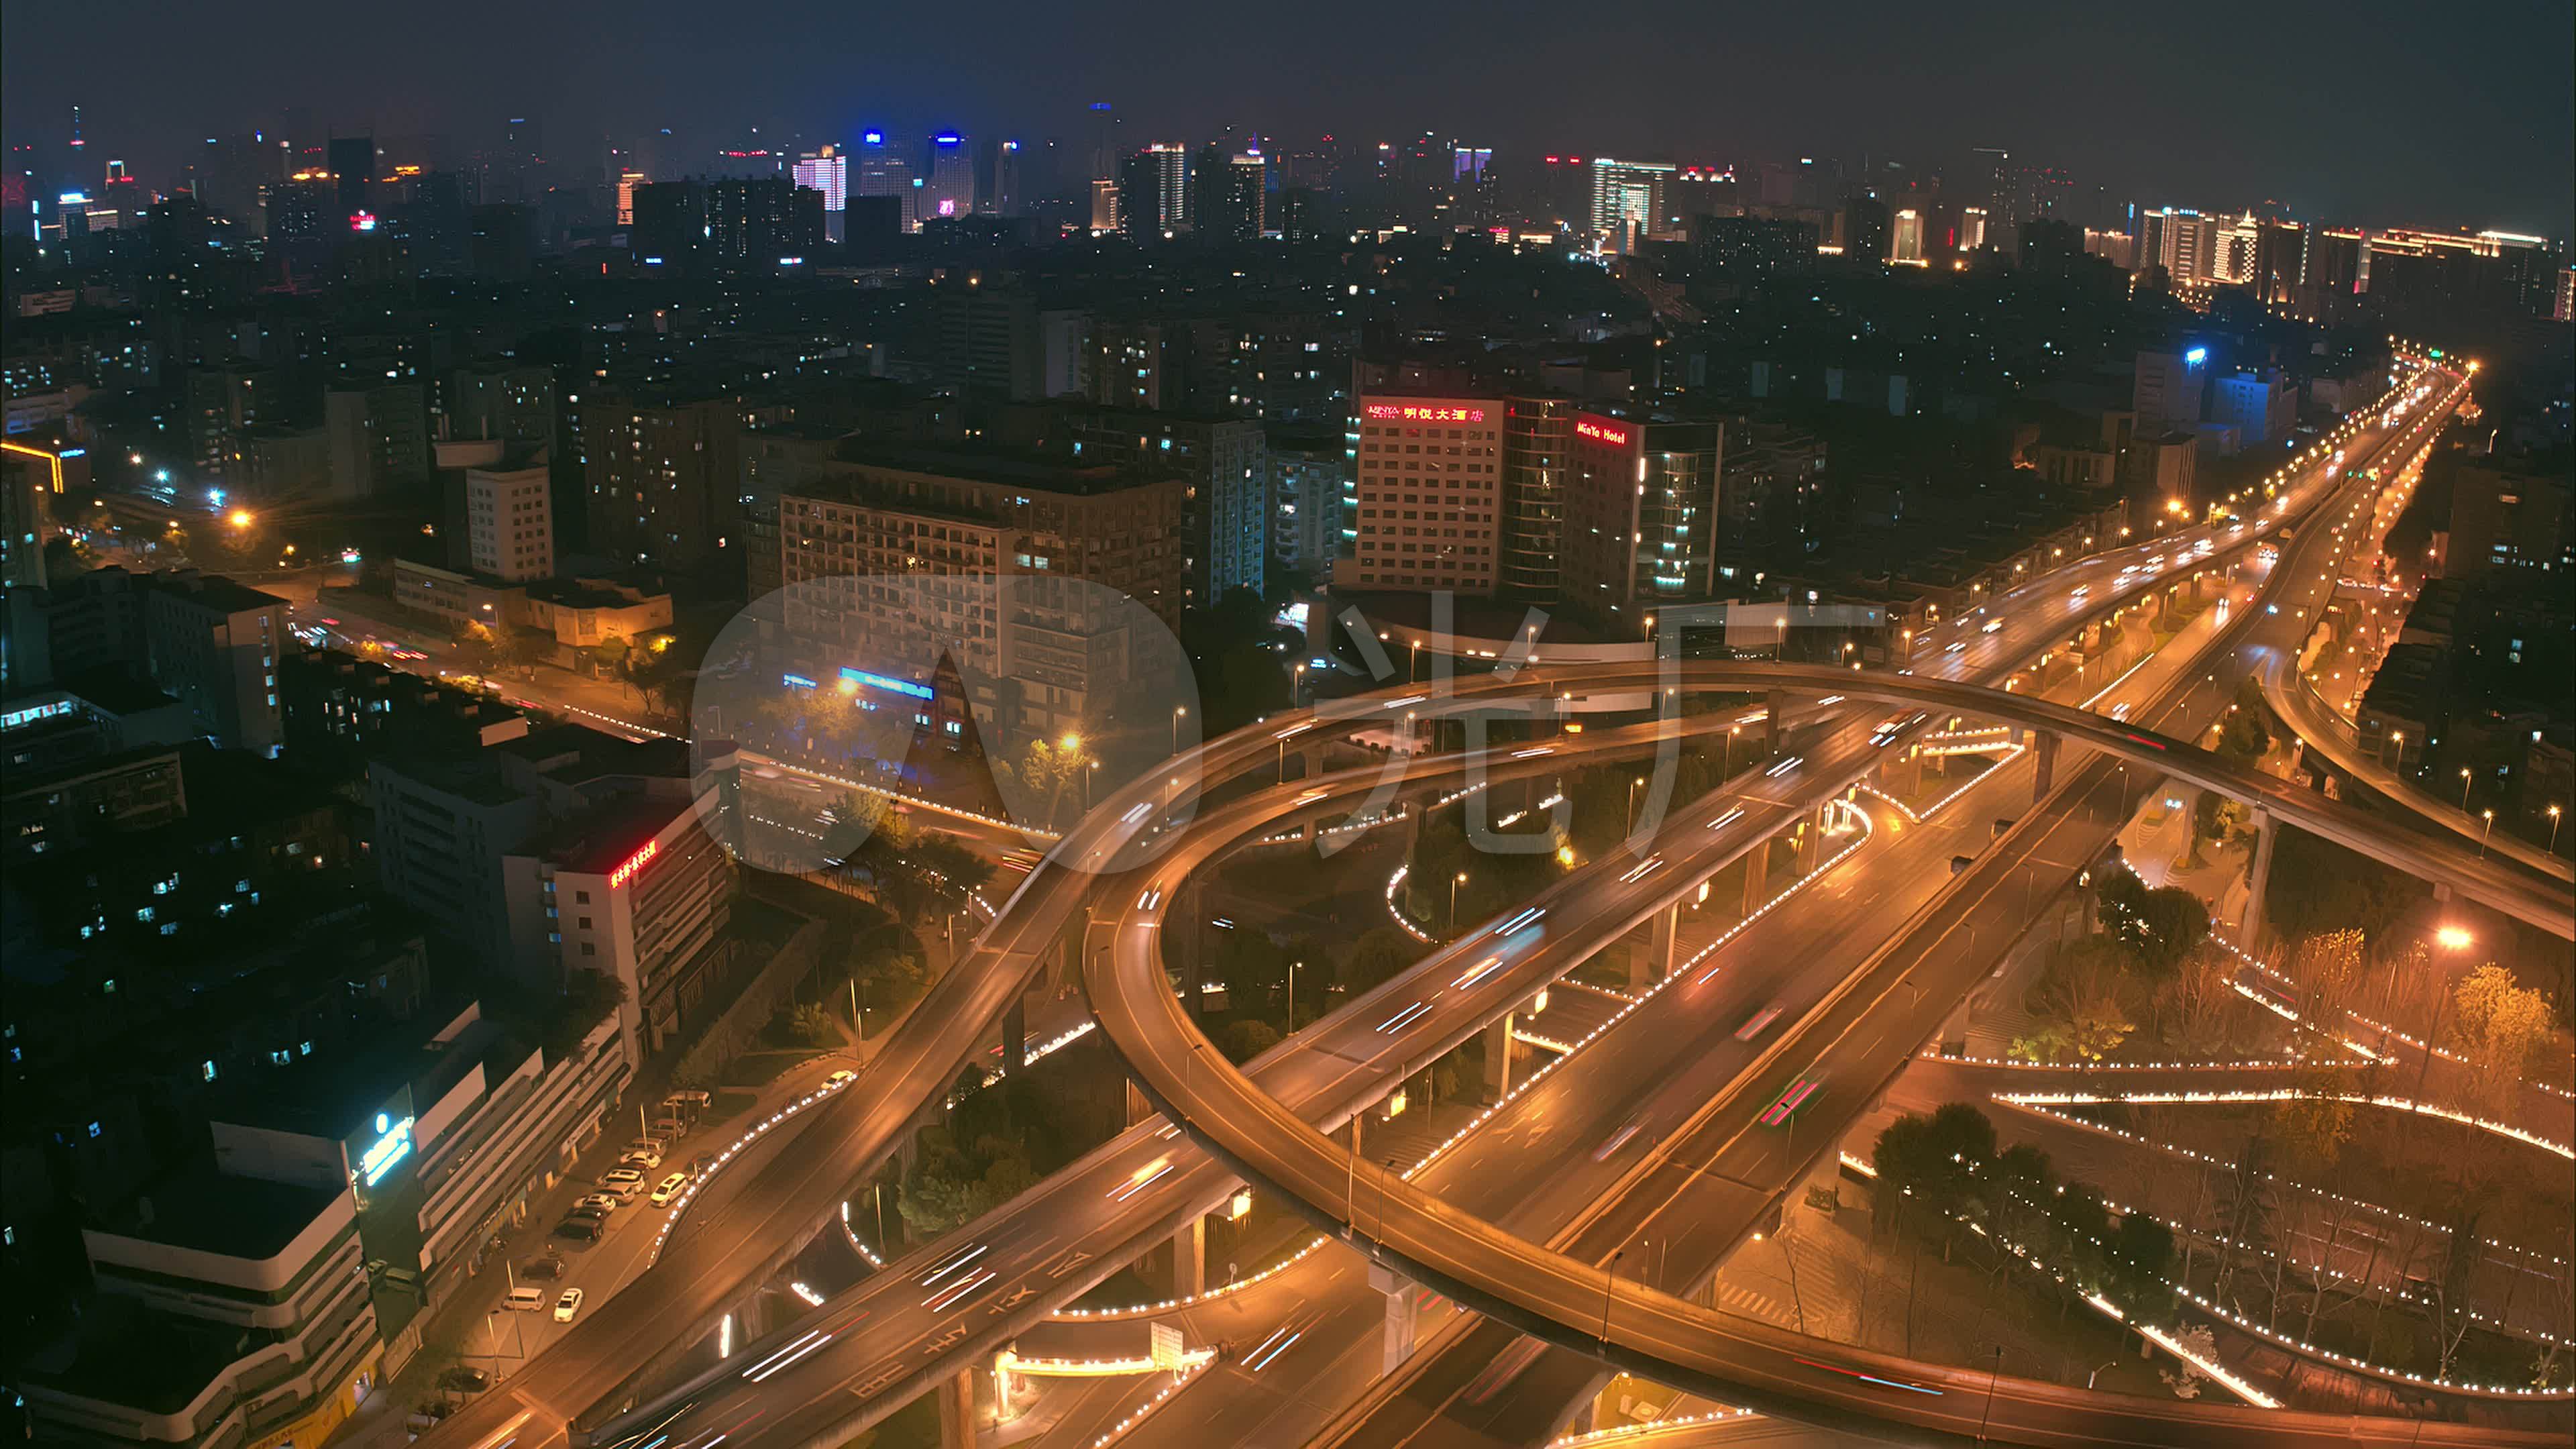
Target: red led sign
[(634, 863), (1602, 430), (1412, 413)]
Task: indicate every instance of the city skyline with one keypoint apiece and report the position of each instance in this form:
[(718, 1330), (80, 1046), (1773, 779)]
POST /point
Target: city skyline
[(2150, 114)]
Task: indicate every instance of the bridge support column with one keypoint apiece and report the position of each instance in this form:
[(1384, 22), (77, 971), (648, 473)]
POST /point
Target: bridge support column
[(1189, 1258), (1903, 776), (1656, 961), (1771, 723), (751, 1318), (1757, 876), (1138, 1109), (2043, 749), (2259, 881), (1498, 1059), (1401, 1310), (1015, 1036), (957, 1410), (1313, 758)]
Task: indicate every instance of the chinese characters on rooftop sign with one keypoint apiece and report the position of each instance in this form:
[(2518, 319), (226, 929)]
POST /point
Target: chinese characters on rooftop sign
[(1418, 413), (633, 863)]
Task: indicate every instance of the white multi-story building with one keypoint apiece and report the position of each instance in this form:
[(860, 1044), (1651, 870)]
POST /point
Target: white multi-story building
[(510, 520)]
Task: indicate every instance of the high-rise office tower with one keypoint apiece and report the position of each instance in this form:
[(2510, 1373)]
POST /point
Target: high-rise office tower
[(1865, 228), (627, 181), (353, 174), (1139, 196), (1227, 202), (951, 188), (884, 172), (1907, 246), (2180, 240), (1101, 151), (1538, 437), (1627, 199), (827, 171), (1172, 168), (760, 223), (1002, 197)]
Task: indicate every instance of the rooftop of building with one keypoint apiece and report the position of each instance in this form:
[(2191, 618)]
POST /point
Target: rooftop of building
[(515, 458), (335, 1095), (215, 591), (608, 836), (599, 593), (124, 1353), (476, 778), (111, 690), (207, 1211), (1037, 472), (32, 781), (572, 754), (802, 432)]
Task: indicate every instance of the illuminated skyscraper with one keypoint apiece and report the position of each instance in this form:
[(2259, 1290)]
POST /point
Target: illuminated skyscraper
[(883, 172), (1101, 152), (1908, 246), (627, 181), (951, 188), (1172, 172), (827, 171), (1627, 199)]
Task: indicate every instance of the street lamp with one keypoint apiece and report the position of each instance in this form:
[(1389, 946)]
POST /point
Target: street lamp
[(2554, 813), (1455, 881), (1633, 783), (2488, 835), (2464, 791), (1610, 1280), (1178, 710), (1292, 994)]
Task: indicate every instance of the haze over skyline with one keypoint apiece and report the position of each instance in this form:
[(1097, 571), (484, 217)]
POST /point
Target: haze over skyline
[(2188, 105)]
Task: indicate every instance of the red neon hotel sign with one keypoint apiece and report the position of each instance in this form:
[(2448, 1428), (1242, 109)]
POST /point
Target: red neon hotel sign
[(1412, 413), (1601, 430), (634, 863)]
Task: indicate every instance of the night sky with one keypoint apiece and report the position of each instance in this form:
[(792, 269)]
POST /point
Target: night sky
[(2376, 113)]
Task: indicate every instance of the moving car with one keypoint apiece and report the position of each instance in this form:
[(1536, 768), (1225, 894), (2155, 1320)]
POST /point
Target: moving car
[(841, 1078), (670, 1188), (568, 1305)]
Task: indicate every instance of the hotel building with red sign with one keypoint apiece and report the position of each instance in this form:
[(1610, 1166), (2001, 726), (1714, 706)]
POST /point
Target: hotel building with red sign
[(1641, 513), (1429, 496), (640, 891)]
